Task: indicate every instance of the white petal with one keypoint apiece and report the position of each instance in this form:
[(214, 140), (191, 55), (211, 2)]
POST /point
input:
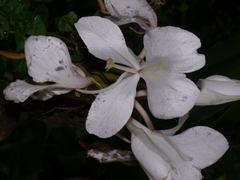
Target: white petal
[(19, 91), (174, 48), (203, 144), (185, 171), (48, 59), (105, 40), (219, 78), (111, 110), (218, 90), (169, 95), (132, 10), (156, 168), (159, 157), (153, 164)]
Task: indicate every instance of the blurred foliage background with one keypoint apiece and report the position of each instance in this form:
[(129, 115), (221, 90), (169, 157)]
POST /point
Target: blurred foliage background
[(47, 140)]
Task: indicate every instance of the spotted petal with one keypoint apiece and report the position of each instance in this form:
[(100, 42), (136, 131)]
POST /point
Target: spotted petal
[(128, 11), (48, 60), (174, 49), (20, 91), (111, 110), (218, 90), (105, 40)]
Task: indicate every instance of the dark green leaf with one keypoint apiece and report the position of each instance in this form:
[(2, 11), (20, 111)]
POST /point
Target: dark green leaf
[(66, 23), (4, 27), (36, 26)]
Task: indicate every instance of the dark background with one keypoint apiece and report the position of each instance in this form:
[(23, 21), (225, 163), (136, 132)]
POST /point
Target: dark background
[(47, 140)]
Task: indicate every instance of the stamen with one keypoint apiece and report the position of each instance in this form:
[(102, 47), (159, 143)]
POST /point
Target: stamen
[(110, 64), (104, 89)]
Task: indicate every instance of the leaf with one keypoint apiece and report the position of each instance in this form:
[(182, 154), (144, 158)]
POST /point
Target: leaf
[(19, 67), (224, 51), (13, 7), (4, 27), (66, 22), (36, 26), (42, 11)]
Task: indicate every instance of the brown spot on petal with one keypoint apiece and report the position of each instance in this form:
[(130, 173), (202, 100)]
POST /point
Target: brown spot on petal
[(59, 68)]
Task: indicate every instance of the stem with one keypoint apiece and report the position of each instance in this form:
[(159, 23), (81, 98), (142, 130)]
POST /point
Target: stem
[(141, 93), (12, 55), (123, 138), (142, 54), (102, 7), (172, 131), (104, 89), (144, 115), (96, 83)]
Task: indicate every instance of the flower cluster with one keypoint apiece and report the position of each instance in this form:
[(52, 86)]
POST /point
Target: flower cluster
[(169, 53)]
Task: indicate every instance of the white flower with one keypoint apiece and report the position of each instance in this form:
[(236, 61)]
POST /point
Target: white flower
[(170, 52), (48, 60), (179, 157), (132, 11), (218, 89)]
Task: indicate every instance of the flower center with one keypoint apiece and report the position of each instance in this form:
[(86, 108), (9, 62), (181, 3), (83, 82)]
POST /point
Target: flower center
[(152, 68)]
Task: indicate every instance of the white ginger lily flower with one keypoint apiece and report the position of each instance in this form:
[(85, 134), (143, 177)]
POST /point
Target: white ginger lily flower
[(218, 89), (48, 60), (132, 11), (179, 157), (170, 52)]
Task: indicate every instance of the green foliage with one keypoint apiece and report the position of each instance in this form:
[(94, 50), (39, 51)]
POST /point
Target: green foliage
[(16, 18), (66, 22), (4, 27)]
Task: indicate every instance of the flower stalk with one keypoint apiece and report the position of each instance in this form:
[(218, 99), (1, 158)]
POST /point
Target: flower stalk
[(144, 114)]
